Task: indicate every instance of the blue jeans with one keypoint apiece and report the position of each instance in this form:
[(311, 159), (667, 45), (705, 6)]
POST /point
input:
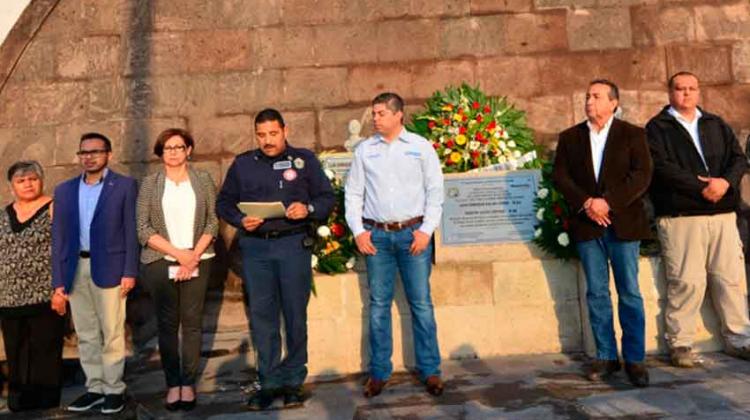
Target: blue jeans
[(624, 258), (278, 279), (393, 254)]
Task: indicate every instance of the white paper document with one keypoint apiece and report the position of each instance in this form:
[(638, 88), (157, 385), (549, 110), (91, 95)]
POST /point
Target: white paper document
[(263, 210)]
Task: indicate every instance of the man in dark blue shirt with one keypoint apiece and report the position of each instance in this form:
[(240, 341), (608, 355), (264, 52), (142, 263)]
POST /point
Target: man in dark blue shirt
[(277, 253)]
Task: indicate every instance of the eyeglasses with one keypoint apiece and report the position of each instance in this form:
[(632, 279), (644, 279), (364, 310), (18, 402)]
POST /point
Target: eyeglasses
[(91, 153), (180, 148)]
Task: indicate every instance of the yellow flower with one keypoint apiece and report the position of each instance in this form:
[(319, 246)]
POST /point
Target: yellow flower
[(335, 245), (447, 108), (460, 139), (457, 117), (455, 157)]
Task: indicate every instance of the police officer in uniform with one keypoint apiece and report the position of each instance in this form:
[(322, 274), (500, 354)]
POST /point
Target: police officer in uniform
[(276, 253)]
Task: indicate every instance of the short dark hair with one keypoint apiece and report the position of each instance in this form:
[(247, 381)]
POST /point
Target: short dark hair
[(98, 136), (391, 100), (25, 166), (670, 82), (269, 114), (167, 134), (614, 91)]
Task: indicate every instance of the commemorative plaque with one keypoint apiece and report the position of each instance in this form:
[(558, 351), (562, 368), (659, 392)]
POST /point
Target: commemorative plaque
[(489, 207)]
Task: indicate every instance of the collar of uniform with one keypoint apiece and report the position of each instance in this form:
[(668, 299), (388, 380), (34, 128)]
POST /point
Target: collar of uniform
[(286, 155), (675, 113), (403, 136)]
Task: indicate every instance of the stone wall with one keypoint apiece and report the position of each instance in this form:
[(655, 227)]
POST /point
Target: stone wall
[(130, 68)]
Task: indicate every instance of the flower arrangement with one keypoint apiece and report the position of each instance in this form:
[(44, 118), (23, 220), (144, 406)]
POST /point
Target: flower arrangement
[(553, 214), (334, 249), (470, 130)]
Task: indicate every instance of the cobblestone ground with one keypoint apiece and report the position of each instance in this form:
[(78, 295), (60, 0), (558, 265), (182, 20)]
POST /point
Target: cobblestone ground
[(522, 387)]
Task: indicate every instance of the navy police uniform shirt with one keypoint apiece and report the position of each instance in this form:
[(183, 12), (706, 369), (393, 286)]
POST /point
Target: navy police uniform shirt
[(293, 176)]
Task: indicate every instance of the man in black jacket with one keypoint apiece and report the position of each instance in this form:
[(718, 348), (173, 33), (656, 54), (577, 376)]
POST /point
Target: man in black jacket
[(697, 168)]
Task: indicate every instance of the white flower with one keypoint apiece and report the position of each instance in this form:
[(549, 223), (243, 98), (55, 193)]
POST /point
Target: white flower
[(314, 261), (472, 123), (330, 174), (497, 134), (511, 144), (502, 145), (350, 263), (473, 145), (542, 193), (516, 154), (563, 239), (512, 164), (501, 159), (538, 232), (505, 134), (540, 214), (324, 231)]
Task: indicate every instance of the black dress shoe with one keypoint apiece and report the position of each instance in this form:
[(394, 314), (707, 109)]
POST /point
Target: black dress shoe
[(600, 369), (373, 387), (637, 373), (173, 406), (261, 400), (294, 396), (187, 405)]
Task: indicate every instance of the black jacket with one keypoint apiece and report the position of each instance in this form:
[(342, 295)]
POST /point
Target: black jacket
[(675, 189)]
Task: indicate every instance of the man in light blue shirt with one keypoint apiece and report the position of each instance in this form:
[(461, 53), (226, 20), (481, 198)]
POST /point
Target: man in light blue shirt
[(394, 198)]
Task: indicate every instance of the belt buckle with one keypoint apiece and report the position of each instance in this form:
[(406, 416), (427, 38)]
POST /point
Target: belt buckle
[(272, 234)]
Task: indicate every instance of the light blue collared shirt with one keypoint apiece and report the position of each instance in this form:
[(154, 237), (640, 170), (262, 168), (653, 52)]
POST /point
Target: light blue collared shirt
[(88, 197), (394, 182), (692, 128)]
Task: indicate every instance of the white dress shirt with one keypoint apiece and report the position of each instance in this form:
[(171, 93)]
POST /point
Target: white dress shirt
[(598, 143), (178, 203), (692, 129), (394, 182)]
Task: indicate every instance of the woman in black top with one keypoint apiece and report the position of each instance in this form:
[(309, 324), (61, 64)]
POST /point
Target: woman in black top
[(32, 330)]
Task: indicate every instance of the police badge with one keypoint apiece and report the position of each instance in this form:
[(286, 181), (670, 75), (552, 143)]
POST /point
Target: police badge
[(299, 163)]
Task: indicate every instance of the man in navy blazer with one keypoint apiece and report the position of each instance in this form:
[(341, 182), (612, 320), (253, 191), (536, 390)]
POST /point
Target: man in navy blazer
[(94, 265)]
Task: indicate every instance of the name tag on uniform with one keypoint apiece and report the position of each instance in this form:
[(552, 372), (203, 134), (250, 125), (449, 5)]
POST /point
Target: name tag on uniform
[(281, 165)]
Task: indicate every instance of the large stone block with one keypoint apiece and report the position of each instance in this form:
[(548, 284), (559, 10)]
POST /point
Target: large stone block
[(408, 40), (37, 62), (277, 47), (462, 284), (548, 114), (534, 282), (329, 83), (730, 102), (659, 24), (75, 18), (240, 93), (184, 95), (190, 52), (633, 68), (233, 134), (599, 29), (68, 136), (301, 129), (332, 124), (466, 332), (499, 76), (535, 32), (537, 328), (723, 21), (479, 7), (554, 4), (741, 61), (711, 63), (429, 78), (344, 43), (29, 143), (366, 81), (439, 7), (29, 104), (306, 12), (89, 57), (108, 98), (473, 36), (169, 15)]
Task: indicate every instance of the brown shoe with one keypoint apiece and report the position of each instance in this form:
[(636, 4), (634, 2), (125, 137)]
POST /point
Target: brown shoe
[(599, 369), (681, 357), (373, 387), (637, 373), (434, 385)]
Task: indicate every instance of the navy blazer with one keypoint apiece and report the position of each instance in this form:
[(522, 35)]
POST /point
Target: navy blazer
[(114, 242)]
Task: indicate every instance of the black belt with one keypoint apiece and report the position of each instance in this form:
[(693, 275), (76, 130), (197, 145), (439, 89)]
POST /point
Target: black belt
[(394, 226), (84, 254), (274, 234)]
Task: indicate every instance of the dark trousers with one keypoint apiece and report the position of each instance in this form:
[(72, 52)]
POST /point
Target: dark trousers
[(178, 304), (33, 347), (278, 278)]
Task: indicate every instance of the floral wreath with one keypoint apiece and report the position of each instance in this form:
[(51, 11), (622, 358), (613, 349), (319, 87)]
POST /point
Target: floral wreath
[(552, 213), (472, 131)]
